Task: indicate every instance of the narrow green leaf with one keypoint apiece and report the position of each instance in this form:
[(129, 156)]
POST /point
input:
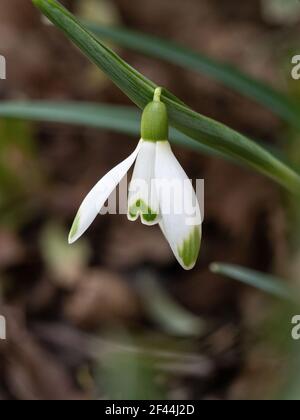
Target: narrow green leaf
[(140, 90), (265, 282), (120, 119), (231, 77), (164, 310)]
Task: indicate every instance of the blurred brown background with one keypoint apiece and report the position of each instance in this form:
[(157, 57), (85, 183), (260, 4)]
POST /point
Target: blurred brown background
[(82, 322)]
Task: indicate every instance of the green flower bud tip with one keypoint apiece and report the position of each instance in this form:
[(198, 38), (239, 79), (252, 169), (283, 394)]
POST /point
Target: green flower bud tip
[(155, 122)]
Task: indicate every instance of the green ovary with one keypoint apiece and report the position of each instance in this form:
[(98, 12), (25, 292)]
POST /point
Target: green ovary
[(141, 208), (190, 248)]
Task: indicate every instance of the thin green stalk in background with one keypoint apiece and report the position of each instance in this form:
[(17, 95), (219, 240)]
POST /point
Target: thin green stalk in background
[(265, 282), (120, 119)]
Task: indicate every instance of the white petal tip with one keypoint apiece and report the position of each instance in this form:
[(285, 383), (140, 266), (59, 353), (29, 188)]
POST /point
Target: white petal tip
[(188, 251), (71, 241), (188, 268), (149, 223), (143, 220), (74, 232)]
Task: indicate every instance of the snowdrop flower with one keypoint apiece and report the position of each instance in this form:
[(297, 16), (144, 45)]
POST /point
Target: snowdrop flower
[(159, 193)]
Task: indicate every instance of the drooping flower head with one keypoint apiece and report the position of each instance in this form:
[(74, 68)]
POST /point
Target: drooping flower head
[(160, 192)]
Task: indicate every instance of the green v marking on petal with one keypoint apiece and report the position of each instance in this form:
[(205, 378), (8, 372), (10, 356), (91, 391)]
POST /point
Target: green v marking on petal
[(141, 208), (190, 248)]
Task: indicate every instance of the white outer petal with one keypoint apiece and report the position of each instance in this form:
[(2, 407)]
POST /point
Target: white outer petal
[(179, 208), (96, 198), (142, 186)]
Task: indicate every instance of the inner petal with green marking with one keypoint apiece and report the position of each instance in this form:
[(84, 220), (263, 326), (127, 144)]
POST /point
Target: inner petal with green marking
[(143, 200), (141, 209)]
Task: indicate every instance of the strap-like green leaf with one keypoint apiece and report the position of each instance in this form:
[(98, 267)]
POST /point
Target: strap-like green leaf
[(140, 90), (120, 119), (262, 281), (276, 101)]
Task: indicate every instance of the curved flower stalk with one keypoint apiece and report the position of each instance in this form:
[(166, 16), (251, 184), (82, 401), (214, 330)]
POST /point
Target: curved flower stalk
[(160, 192)]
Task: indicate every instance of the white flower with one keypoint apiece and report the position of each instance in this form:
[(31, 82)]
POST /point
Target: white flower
[(160, 191)]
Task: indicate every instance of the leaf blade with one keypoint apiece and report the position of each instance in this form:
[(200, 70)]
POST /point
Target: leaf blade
[(265, 282), (140, 90), (279, 103), (120, 119)]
